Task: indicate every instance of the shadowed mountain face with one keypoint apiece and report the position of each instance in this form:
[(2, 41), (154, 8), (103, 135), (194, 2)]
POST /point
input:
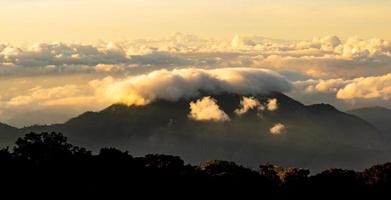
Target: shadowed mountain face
[(316, 136), (378, 116), (8, 135)]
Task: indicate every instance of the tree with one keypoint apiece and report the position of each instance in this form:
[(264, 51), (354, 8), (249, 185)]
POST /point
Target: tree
[(271, 173), (166, 163), (226, 169), (378, 177), (337, 180), (294, 180), (44, 147)]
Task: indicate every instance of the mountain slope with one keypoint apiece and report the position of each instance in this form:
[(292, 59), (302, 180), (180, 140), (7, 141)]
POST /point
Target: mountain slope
[(378, 116), (8, 135), (317, 136)]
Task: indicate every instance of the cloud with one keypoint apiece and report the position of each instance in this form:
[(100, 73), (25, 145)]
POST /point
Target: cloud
[(191, 82), (186, 66), (248, 103), (90, 93), (108, 68), (371, 87), (321, 85), (328, 57), (374, 87), (278, 129), (206, 109), (272, 105), (41, 96), (57, 54)]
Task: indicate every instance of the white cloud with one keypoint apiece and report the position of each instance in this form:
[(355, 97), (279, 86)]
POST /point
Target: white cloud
[(272, 105), (277, 129), (91, 93), (248, 103), (321, 85), (371, 87), (328, 57), (190, 82), (108, 68), (184, 66), (40, 96), (374, 87), (206, 109)]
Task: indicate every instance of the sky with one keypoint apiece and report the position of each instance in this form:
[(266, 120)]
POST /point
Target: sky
[(24, 21), (60, 58)]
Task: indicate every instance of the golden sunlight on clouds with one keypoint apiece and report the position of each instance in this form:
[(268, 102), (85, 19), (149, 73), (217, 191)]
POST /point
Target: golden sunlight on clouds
[(206, 109), (248, 103), (277, 129), (186, 83)]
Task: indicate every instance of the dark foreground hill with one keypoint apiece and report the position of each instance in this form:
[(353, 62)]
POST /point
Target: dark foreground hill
[(46, 165), (316, 136)]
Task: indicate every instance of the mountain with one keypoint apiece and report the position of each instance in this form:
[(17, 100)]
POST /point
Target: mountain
[(316, 137), (8, 135), (378, 116)]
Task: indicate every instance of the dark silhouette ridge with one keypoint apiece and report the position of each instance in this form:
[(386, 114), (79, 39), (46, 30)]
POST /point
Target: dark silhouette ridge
[(45, 163)]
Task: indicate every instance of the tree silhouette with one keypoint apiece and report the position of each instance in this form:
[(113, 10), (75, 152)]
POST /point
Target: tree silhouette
[(378, 177), (47, 162), (45, 147), (271, 173)]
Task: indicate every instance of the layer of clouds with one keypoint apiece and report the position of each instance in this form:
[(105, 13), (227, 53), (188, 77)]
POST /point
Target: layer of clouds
[(374, 87), (371, 87), (206, 109), (183, 66), (327, 57)]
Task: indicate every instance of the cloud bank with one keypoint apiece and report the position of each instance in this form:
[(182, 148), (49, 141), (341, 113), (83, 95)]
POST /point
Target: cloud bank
[(326, 57), (191, 82), (371, 87), (137, 72)]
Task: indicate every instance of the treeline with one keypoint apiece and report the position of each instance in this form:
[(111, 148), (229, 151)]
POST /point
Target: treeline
[(46, 162)]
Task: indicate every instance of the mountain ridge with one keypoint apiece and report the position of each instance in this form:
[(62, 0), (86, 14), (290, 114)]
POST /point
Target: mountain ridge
[(379, 116), (8, 134), (317, 136)]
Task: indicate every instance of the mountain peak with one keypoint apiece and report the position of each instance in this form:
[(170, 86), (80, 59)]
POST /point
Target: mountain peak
[(322, 107), (311, 132)]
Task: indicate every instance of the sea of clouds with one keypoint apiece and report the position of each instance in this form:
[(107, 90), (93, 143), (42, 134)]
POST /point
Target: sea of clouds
[(79, 77)]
